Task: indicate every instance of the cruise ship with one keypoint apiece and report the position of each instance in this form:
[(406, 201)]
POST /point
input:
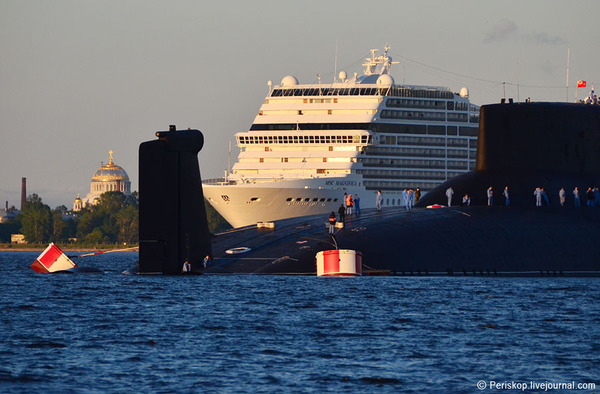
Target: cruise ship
[(312, 143)]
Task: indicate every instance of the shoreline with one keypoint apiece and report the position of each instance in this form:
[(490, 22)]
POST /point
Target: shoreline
[(63, 248)]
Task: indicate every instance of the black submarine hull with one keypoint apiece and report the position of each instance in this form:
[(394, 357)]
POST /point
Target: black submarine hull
[(522, 146), (474, 240)]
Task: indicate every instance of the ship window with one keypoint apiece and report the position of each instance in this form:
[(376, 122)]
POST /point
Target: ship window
[(324, 160), (284, 159), (255, 199), (261, 160), (335, 200), (298, 199), (450, 106), (320, 171), (322, 200), (329, 112), (307, 199), (329, 199), (289, 199), (315, 199), (331, 148), (393, 201), (266, 148), (437, 130), (300, 112)]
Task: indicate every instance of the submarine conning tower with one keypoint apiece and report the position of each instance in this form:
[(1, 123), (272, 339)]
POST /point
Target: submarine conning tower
[(527, 145), (173, 222), (561, 137)]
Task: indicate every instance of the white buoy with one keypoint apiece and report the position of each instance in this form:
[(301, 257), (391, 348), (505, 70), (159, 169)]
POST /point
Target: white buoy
[(340, 262)]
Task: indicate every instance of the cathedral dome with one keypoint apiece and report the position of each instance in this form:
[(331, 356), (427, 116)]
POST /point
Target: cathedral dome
[(110, 172)]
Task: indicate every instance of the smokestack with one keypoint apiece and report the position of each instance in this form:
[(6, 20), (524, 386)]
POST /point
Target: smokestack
[(23, 192)]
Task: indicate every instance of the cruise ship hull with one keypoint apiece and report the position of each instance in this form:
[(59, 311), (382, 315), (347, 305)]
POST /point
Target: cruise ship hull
[(249, 203)]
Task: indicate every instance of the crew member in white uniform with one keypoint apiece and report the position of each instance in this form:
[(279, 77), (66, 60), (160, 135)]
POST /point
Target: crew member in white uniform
[(449, 194), (538, 197)]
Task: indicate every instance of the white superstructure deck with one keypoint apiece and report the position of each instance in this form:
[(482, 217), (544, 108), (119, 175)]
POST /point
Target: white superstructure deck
[(310, 144)]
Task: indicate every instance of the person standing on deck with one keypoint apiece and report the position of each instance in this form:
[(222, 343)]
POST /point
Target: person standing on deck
[(576, 200), (506, 196), (538, 197), (357, 204), (349, 204), (410, 199), (590, 197), (332, 222), (449, 194), (562, 196), (490, 196), (342, 213), (417, 195), (379, 200)]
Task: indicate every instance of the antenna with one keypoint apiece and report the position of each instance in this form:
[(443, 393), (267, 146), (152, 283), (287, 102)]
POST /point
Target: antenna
[(335, 62), (228, 163), (568, 60), (518, 73)]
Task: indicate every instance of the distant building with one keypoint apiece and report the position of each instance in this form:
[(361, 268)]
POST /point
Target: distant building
[(17, 239), (108, 178), (8, 214)]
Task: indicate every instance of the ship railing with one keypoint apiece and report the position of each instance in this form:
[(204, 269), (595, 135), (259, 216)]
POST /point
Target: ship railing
[(217, 181)]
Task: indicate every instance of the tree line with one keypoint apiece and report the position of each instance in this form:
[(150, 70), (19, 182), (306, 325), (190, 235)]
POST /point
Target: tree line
[(115, 219)]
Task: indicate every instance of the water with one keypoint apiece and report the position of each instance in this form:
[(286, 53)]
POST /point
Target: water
[(128, 333)]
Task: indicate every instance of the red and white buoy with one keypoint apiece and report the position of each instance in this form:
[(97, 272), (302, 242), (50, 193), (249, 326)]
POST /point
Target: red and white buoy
[(52, 260), (339, 262)]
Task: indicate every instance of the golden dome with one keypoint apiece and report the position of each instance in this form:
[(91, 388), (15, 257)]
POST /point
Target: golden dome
[(110, 172)]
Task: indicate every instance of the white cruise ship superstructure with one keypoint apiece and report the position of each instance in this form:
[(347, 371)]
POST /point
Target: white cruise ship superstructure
[(310, 144)]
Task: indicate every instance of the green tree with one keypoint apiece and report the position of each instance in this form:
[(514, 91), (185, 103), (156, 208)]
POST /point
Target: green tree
[(114, 219), (36, 220), (63, 229), (127, 221), (216, 222)]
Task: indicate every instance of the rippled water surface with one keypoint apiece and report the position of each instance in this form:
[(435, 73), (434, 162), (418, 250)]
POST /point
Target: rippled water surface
[(128, 333)]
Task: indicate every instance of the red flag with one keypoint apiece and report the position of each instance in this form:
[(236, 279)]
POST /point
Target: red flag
[(581, 84)]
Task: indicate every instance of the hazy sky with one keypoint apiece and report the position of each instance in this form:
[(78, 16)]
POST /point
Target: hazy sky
[(79, 78)]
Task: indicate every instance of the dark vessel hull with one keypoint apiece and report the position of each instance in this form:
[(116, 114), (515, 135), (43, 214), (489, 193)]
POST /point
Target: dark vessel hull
[(475, 240), (522, 146)]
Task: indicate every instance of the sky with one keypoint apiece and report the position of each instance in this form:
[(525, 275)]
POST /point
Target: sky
[(80, 78)]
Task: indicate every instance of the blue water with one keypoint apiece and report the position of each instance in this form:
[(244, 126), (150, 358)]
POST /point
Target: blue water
[(128, 333)]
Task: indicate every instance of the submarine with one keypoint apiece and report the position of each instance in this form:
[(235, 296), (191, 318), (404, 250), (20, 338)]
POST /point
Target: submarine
[(522, 146)]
